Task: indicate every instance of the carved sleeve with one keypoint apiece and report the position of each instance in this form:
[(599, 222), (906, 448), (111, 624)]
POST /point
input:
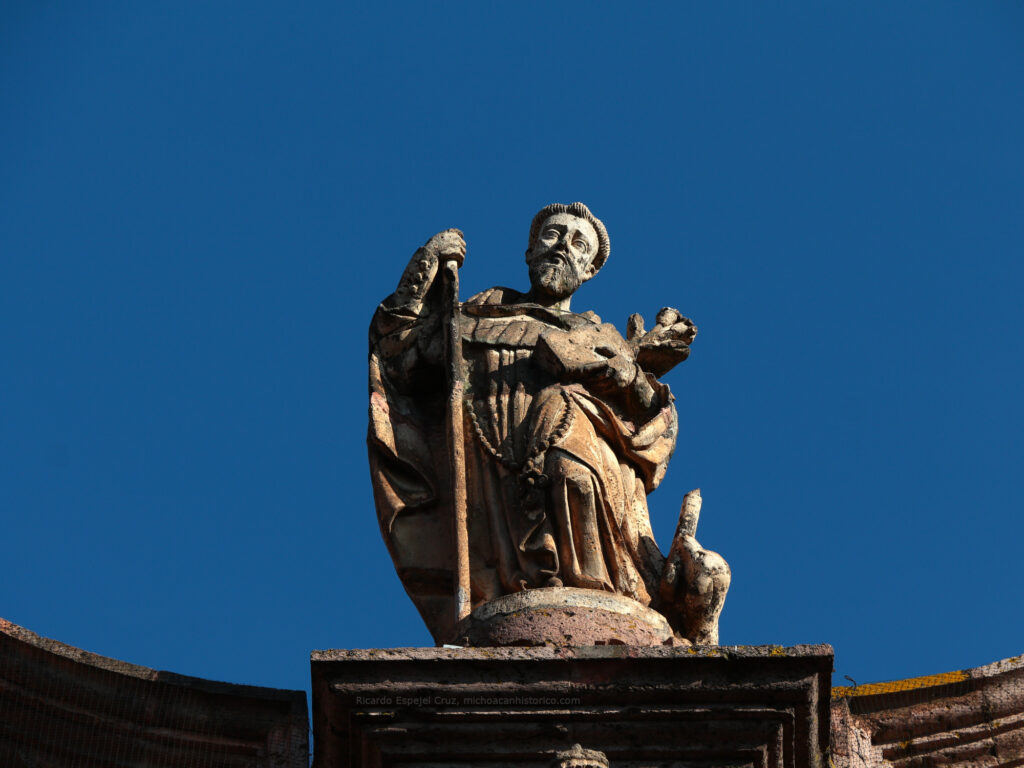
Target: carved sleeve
[(406, 333)]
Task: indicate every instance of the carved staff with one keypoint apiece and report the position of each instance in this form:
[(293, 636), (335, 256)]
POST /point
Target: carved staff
[(456, 441)]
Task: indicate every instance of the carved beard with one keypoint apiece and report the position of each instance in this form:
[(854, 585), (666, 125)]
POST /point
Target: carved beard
[(554, 275)]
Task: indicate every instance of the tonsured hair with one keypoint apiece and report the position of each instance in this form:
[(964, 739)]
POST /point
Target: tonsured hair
[(604, 245)]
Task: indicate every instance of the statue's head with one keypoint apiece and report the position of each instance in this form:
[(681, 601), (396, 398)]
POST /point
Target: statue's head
[(568, 245)]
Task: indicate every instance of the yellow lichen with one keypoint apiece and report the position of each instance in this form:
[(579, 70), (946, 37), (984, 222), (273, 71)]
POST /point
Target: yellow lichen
[(896, 686)]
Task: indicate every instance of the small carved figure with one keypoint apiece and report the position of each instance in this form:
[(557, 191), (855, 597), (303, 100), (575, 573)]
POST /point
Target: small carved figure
[(534, 432), (578, 757)]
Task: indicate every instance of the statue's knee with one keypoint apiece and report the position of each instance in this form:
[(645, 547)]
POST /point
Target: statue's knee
[(563, 468)]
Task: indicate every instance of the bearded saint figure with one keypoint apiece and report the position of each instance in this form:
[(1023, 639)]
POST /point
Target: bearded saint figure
[(566, 430)]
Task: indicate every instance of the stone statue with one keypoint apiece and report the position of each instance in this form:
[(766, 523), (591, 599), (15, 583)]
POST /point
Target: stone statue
[(513, 443)]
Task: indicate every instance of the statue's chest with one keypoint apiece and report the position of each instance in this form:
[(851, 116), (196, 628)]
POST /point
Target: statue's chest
[(498, 346), (498, 354), (507, 332)]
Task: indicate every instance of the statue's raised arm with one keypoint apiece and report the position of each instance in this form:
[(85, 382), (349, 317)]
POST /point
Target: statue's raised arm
[(404, 334), (565, 428)]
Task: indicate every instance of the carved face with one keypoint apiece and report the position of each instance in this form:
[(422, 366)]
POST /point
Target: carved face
[(561, 259)]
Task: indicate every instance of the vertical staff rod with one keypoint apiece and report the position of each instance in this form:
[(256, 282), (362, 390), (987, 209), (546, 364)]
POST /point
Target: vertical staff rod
[(457, 444)]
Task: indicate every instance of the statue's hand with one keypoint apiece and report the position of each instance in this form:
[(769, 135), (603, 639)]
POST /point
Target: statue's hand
[(612, 373), (447, 246), (666, 344), (422, 268), (671, 326)]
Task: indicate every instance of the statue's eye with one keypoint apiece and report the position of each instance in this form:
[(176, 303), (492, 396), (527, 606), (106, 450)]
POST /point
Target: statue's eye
[(582, 244), (551, 234)]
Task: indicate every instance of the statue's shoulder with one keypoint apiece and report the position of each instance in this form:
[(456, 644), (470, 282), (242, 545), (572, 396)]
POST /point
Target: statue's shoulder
[(515, 304), (497, 295)]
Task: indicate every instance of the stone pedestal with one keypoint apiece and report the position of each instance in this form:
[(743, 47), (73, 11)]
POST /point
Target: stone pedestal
[(564, 616), (763, 707)]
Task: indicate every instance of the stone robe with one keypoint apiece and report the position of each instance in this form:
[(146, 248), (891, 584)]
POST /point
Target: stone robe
[(557, 476)]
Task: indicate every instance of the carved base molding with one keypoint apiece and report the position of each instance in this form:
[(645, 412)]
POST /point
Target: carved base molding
[(564, 616), (615, 706)]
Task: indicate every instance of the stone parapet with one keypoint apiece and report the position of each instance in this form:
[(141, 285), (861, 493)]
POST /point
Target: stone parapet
[(61, 706), (763, 707), (971, 718)]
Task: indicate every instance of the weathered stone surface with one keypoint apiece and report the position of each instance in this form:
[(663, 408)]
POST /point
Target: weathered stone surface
[(578, 757), (666, 345), (61, 706), (564, 616), (694, 580), (513, 442), (710, 706), (971, 718)]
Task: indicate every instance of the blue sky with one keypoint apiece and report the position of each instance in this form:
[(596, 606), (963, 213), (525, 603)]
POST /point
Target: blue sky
[(202, 203)]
